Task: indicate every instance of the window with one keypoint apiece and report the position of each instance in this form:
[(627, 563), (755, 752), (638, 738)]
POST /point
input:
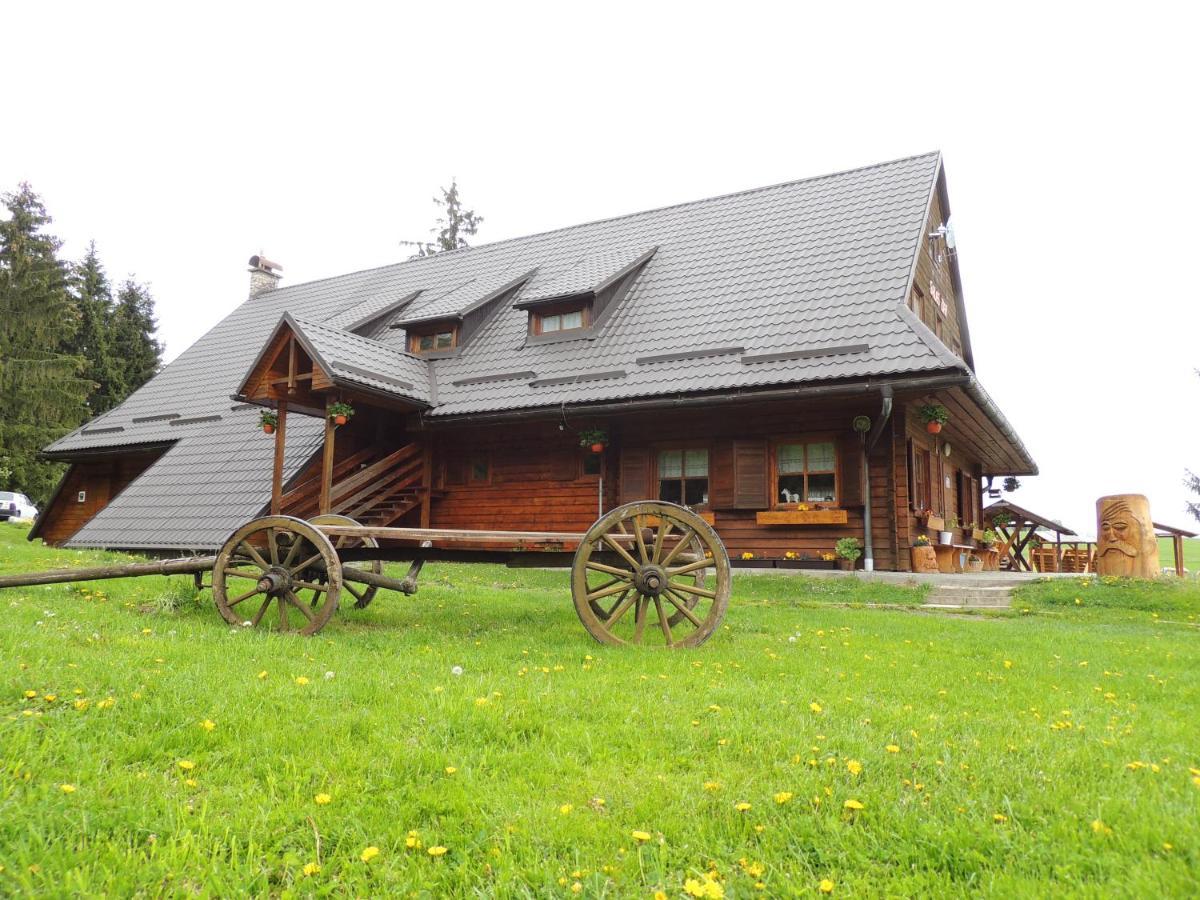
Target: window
[(916, 301), (806, 473), (591, 464), (479, 469), (444, 338), (920, 479), (683, 476), (559, 318)]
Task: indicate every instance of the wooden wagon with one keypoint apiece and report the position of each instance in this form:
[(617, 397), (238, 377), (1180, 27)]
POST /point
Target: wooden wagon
[(644, 573)]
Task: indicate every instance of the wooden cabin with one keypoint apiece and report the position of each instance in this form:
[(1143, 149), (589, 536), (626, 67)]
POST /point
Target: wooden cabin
[(760, 357)]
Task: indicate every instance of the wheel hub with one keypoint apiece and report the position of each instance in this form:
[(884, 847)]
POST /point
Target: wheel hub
[(651, 580), (275, 580)]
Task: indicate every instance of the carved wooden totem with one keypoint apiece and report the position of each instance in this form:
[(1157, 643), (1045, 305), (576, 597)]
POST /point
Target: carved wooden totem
[(1126, 545)]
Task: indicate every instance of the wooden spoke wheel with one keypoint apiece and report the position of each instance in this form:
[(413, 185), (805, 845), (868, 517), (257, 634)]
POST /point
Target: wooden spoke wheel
[(651, 573), (363, 594), (271, 561)]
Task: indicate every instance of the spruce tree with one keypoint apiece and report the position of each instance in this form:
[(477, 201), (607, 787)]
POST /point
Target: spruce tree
[(42, 393), (136, 353), (93, 339), (454, 224)]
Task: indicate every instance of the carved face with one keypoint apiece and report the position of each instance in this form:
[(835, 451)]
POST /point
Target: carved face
[(1120, 531)]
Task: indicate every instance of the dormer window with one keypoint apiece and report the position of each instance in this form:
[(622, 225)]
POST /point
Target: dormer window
[(561, 317), (429, 340)]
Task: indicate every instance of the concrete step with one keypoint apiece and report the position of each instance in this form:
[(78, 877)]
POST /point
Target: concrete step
[(954, 596)]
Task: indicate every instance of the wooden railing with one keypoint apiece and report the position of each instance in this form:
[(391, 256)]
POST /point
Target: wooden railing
[(375, 489)]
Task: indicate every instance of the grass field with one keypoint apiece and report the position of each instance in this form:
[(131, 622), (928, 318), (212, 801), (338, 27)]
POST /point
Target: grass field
[(830, 737)]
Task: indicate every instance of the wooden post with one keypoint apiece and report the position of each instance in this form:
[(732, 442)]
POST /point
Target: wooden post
[(426, 482), (1177, 542), (327, 462), (277, 471)]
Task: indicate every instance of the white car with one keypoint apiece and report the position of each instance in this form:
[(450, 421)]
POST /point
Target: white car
[(16, 507)]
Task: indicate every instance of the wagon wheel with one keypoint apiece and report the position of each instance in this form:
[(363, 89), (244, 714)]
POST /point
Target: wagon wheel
[(363, 593), (651, 573), (272, 560)]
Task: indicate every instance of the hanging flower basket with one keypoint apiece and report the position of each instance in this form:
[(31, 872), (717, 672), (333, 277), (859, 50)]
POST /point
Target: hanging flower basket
[(934, 415), (595, 439), (340, 413), (269, 421)]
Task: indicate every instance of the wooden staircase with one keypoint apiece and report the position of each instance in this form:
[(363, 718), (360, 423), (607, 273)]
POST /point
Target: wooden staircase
[(370, 487)]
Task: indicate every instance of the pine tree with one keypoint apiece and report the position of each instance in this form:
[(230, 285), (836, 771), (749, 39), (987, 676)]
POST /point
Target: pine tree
[(41, 391), (454, 224), (93, 340), (137, 355)]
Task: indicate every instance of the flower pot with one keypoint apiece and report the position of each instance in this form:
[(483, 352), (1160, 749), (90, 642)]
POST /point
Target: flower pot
[(933, 427), (974, 565), (846, 565), (945, 538), (597, 448), (339, 420), (924, 559), (268, 429)]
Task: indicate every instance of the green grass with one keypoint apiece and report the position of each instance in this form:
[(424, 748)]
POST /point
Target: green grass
[(1014, 734), (1191, 553)]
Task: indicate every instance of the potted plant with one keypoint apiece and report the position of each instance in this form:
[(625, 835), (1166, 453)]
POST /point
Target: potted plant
[(340, 412), (946, 535), (595, 439), (269, 421), (848, 550), (934, 415), (924, 559)]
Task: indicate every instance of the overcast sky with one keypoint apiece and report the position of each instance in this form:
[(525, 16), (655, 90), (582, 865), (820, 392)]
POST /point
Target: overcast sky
[(185, 138)]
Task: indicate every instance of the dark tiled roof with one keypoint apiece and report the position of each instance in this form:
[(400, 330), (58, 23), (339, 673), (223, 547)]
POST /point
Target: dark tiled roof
[(785, 274)]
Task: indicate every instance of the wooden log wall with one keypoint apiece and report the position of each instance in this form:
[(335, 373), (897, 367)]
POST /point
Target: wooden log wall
[(935, 272), (100, 481)]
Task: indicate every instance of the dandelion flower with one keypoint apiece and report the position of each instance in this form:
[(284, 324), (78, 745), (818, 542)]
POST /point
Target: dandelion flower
[(742, 807), (302, 681), (826, 886), (29, 695), (436, 851), (577, 888), (1008, 664), (565, 809), (186, 764), (457, 670), (450, 770), (712, 785), (369, 854), (67, 788), (191, 782), (783, 797), (208, 724), (854, 767), (852, 805), (892, 748), (659, 895), (50, 698), (641, 836), (413, 841), (262, 674), (311, 868), (815, 707), (322, 799), (999, 818)]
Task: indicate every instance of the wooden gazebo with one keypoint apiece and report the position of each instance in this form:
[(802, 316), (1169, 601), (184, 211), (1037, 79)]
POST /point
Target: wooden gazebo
[(1176, 535), (1021, 541)]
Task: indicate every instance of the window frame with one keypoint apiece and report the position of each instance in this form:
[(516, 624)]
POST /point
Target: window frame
[(919, 502), (805, 439), (469, 461), (666, 446), (539, 314), (415, 335)]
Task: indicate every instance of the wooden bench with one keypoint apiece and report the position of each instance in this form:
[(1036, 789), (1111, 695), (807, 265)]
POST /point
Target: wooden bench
[(951, 557)]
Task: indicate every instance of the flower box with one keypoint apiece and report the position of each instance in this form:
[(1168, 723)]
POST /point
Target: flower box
[(934, 523), (800, 563), (802, 517), (977, 534)]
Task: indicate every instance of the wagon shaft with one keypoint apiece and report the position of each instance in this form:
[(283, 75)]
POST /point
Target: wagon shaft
[(188, 566)]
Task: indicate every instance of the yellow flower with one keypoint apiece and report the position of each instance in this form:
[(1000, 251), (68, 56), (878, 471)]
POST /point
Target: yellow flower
[(311, 868), (742, 807), (1008, 664), (705, 886), (413, 841), (50, 698), (186, 764), (783, 797), (641, 836), (826, 886), (576, 888), (29, 695), (302, 681), (450, 770), (747, 555), (999, 818), (191, 782), (262, 674), (208, 724), (1100, 828), (436, 851), (565, 809), (369, 854), (712, 785), (852, 805), (815, 707), (67, 788), (322, 799), (659, 895), (892, 748), (854, 767)]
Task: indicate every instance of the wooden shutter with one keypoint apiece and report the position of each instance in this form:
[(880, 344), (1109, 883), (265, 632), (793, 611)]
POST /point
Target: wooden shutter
[(737, 475), (850, 471), (635, 475)]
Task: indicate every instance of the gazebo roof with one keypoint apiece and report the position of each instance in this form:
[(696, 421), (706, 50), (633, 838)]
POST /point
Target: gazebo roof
[(1024, 516)]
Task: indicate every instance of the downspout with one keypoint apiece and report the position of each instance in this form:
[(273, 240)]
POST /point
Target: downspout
[(868, 444)]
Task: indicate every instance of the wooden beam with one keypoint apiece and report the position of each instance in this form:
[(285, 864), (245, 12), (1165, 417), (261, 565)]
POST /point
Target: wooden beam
[(452, 536), (327, 461), (291, 376), (277, 469), (426, 483), (1177, 540)]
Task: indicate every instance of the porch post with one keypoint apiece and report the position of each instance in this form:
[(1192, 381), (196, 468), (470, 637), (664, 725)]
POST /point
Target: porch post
[(426, 481), (1177, 544), (327, 462), (277, 471)]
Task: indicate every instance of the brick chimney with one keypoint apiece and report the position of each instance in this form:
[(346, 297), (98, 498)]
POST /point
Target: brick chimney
[(264, 275)]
